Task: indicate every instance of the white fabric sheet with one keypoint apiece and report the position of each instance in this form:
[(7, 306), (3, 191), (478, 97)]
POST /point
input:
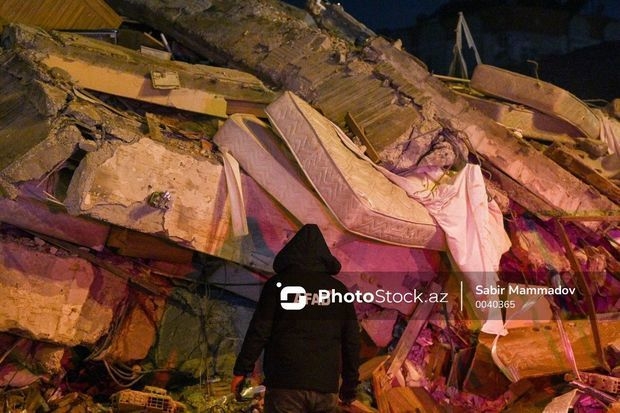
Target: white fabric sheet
[(474, 228)]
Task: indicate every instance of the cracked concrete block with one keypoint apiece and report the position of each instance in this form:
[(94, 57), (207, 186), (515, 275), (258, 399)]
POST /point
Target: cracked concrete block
[(114, 185), (55, 298)]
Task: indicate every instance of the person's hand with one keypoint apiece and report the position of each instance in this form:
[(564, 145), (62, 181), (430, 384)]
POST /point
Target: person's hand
[(347, 408), (347, 394), (235, 385)]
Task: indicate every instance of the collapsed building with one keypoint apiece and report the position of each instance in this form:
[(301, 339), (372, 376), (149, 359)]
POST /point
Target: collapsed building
[(147, 184)]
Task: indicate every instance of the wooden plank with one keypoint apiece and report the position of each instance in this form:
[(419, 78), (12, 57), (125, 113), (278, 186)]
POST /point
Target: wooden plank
[(578, 166), (483, 377), (358, 407), (411, 399), (120, 71), (415, 324), (537, 351), (381, 383), (139, 87), (135, 244), (66, 15), (367, 368), (59, 299), (359, 132)]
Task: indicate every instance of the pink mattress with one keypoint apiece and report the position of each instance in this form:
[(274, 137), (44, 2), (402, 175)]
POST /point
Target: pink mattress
[(362, 199)]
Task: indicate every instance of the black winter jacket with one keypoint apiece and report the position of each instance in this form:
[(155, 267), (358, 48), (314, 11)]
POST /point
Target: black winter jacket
[(310, 348)]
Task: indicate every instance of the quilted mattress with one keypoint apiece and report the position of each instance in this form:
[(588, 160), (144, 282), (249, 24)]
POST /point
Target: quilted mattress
[(537, 94), (362, 199), (263, 155)]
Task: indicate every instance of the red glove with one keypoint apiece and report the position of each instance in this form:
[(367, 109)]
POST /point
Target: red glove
[(235, 385)]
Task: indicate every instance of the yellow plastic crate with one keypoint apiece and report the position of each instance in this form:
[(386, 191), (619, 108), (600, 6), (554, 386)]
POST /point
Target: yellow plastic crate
[(129, 400)]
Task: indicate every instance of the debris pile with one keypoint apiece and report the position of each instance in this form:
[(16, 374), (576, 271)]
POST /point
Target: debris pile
[(150, 173)]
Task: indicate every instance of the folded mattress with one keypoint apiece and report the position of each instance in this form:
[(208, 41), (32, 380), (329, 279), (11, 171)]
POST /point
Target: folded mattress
[(536, 94), (361, 198), (263, 156)]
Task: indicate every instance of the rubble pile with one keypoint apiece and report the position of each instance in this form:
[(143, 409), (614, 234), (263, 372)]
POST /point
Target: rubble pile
[(150, 172)]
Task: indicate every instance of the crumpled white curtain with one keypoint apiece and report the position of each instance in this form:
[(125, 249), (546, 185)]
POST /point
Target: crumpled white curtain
[(610, 131), (473, 224), (235, 193)]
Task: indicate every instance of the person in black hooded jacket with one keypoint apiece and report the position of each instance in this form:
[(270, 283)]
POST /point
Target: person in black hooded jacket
[(306, 350)]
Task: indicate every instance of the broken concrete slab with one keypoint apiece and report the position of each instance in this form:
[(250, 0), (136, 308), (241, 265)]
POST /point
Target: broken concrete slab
[(238, 280), (104, 67), (402, 91), (525, 121), (39, 217), (114, 185), (60, 299), (29, 127)]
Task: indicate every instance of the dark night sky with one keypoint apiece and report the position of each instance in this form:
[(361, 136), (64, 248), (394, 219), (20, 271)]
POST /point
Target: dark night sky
[(380, 14), (578, 76), (393, 14)]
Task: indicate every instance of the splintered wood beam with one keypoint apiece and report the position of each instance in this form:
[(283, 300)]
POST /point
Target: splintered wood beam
[(583, 286), (400, 399), (381, 383), (522, 195), (359, 132), (136, 244), (104, 67), (572, 162), (415, 324), (537, 351), (138, 86)]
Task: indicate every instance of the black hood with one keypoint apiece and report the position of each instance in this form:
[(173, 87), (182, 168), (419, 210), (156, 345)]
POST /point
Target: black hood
[(306, 252)]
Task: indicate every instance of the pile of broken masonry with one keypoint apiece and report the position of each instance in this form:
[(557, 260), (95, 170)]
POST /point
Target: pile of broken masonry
[(147, 181)]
